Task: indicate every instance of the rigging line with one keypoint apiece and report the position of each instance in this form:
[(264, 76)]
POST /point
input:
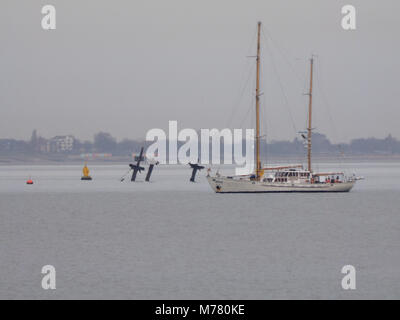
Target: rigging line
[(306, 92), (249, 110), (286, 101), (298, 153), (263, 111), (265, 124), (302, 78), (325, 100), (241, 91), (301, 151), (266, 33), (244, 87), (263, 105), (306, 81), (327, 106), (236, 107)]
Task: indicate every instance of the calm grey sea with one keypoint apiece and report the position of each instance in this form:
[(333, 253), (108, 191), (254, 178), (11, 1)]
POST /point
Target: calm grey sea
[(172, 239)]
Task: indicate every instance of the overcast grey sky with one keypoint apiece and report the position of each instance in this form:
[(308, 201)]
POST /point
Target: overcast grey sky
[(128, 66)]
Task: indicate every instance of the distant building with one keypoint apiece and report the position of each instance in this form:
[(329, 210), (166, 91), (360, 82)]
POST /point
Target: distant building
[(12, 146), (42, 145), (60, 144), (96, 155)]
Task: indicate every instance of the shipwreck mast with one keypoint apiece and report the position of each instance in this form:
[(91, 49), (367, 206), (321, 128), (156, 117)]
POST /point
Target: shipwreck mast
[(309, 128)]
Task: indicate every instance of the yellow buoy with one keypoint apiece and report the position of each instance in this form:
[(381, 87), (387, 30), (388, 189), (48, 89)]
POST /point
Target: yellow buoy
[(86, 173)]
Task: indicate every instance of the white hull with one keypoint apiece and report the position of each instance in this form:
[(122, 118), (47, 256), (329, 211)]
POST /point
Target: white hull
[(228, 185)]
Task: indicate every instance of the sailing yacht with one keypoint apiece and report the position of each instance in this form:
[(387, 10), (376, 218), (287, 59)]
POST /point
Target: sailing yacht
[(293, 178)]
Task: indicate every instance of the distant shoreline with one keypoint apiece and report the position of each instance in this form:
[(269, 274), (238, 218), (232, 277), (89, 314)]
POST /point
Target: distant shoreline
[(21, 160)]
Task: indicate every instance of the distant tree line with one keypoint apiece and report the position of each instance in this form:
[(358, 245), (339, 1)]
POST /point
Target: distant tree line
[(322, 145), (102, 143), (105, 143)]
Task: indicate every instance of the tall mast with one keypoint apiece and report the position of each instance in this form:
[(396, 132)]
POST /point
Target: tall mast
[(258, 163), (309, 129)]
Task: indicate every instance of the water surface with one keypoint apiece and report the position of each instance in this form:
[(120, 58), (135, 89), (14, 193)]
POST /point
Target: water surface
[(172, 239)]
